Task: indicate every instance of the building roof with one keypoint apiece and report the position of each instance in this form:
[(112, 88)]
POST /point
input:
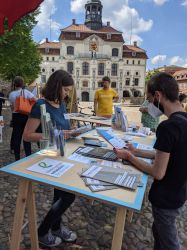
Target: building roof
[(50, 48), (130, 51), (77, 27), (175, 67), (180, 72), (50, 45), (69, 33), (181, 76), (84, 28)]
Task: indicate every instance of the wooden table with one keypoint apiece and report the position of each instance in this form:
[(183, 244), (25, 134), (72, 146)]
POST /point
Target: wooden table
[(91, 119), (123, 199)]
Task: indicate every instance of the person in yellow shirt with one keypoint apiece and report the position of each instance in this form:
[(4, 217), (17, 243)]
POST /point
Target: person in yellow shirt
[(103, 100)]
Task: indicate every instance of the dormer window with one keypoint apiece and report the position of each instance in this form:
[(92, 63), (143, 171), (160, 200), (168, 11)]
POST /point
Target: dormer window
[(78, 34), (109, 36), (133, 53), (46, 50)]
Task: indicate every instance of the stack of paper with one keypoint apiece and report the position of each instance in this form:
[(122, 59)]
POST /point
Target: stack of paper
[(112, 176)]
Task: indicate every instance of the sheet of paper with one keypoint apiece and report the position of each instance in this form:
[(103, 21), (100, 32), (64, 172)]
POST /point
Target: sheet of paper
[(135, 134), (116, 176), (114, 164), (83, 129), (97, 188), (117, 143), (144, 147), (80, 158), (66, 116), (85, 150), (90, 181), (50, 167)]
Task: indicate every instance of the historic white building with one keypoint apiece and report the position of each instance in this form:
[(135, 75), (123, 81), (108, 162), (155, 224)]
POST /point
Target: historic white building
[(91, 51)]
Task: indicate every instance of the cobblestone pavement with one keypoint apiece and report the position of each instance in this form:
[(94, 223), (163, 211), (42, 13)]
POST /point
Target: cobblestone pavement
[(93, 223)]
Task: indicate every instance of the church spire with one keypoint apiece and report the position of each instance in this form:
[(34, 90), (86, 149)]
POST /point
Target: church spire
[(93, 15)]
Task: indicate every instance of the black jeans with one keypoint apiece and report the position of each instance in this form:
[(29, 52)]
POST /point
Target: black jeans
[(19, 121), (164, 229), (1, 109), (61, 201)]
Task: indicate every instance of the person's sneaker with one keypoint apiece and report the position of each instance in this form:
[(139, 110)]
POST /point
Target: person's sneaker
[(49, 240), (65, 234)]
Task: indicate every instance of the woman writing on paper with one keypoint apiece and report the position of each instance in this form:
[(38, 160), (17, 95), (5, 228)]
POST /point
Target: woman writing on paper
[(51, 232)]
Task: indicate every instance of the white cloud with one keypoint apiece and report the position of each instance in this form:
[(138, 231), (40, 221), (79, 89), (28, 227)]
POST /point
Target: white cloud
[(121, 16), (42, 41), (177, 60), (77, 6), (160, 2), (164, 59), (184, 2), (158, 59), (45, 20)]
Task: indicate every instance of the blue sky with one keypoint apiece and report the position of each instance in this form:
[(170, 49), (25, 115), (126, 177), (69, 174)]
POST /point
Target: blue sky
[(159, 26)]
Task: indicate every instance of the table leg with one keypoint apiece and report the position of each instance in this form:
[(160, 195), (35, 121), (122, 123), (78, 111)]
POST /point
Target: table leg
[(19, 214), (129, 216), (31, 209), (119, 228)]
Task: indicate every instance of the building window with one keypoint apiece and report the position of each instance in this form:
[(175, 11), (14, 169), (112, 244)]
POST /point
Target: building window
[(43, 70), (137, 73), (53, 58), (70, 67), (52, 70), (85, 68), (136, 81), (108, 36), (128, 73), (134, 53), (78, 34), (100, 84), (127, 82), (127, 61), (138, 61), (114, 69), (115, 52), (70, 50), (101, 69), (46, 50), (113, 85), (47, 58), (85, 84), (43, 78), (132, 61)]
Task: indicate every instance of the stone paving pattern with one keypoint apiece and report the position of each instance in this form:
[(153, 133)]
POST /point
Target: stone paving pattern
[(93, 223)]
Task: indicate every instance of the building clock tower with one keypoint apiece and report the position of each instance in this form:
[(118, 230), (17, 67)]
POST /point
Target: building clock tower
[(93, 16)]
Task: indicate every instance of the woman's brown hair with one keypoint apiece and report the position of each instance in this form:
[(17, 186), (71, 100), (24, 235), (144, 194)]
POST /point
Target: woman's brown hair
[(53, 88)]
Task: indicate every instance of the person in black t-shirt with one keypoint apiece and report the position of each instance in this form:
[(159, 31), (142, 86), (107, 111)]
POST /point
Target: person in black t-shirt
[(168, 192)]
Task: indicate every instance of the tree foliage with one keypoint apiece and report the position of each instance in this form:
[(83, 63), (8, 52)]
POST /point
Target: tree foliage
[(18, 52), (150, 74)]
